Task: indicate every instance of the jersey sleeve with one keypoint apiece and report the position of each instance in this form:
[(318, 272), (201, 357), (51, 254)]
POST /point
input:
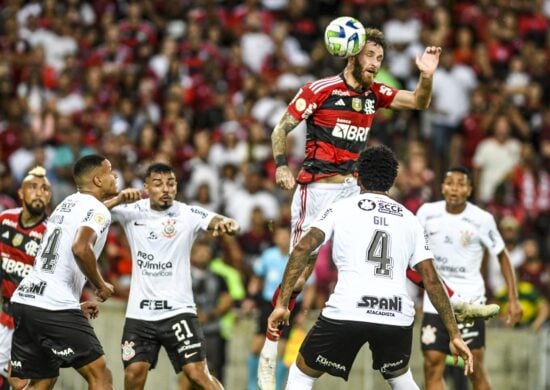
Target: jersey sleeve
[(490, 236), (305, 103), (121, 213), (384, 94), (201, 217), (98, 218), (421, 245), (325, 223), (421, 215)]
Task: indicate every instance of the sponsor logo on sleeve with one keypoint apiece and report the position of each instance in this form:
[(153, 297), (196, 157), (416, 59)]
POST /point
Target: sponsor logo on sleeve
[(300, 104)]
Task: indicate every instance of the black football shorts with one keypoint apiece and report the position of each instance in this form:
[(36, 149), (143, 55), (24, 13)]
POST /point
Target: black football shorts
[(434, 335), (45, 340), (181, 336), (332, 345)]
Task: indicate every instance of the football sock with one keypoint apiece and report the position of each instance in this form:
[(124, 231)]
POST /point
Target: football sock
[(297, 380), (403, 382)]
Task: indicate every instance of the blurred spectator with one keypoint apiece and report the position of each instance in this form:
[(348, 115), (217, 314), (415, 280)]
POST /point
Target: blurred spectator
[(452, 86), (494, 159), (213, 302), (70, 150), (415, 181), (531, 186), (230, 150), (253, 194), (533, 287), (510, 229)]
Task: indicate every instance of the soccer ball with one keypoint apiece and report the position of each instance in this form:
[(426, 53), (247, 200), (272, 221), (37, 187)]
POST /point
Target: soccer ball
[(345, 37)]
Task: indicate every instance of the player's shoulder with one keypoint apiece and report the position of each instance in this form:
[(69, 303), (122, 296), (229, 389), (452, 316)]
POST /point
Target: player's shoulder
[(430, 208), (477, 212), (326, 85), (11, 213)]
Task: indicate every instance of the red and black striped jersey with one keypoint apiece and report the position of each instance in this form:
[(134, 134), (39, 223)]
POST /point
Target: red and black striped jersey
[(18, 247), (338, 120)]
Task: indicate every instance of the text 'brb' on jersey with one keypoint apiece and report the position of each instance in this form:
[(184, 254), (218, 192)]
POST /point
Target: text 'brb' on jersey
[(56, 281), (374, 241), (160, 242), (338, 120)]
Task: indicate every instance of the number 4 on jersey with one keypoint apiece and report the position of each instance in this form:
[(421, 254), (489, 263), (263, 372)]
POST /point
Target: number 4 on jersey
[(50, 252), (379, 253)]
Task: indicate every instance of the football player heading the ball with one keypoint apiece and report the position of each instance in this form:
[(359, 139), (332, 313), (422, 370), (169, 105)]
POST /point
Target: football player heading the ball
[(338, 112)]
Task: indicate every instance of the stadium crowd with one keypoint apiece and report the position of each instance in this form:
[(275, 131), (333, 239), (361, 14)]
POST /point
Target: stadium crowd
[(200, 84)]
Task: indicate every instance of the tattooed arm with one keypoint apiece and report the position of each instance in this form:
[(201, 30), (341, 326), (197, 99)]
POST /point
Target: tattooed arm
[(440, 300), (283, 175), (296, 264)]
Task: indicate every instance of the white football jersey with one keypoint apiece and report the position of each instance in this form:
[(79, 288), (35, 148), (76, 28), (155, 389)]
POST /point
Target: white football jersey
[(56, 281), (458, 242), (160, 242), (374, 240)]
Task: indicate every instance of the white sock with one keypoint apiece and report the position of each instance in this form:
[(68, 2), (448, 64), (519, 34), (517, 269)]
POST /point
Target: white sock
[(269, 349), (297, 380), (403, 382)]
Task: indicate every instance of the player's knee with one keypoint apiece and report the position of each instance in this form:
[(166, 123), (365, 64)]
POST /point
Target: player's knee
[(433, 364), (197, 374), (394, 374), (134, 375), (15, 383)]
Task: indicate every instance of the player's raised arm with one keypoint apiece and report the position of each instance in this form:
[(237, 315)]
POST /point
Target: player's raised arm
[(420, 98), (283, 175), (83, 251)]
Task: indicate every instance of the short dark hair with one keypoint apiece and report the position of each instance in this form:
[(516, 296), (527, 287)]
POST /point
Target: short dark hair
[(376, 36), (158, 168), (85, 164), (377, 168), (459, 169)]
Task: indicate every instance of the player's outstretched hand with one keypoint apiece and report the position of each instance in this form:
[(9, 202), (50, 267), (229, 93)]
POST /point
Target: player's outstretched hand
[(284, 178), (225, 226), (105, 292), (279, 315), (459, 348), (427, 64), (90, 309)]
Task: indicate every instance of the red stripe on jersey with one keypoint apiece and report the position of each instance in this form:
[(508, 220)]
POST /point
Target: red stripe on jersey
[(328, 152), (18, 247)]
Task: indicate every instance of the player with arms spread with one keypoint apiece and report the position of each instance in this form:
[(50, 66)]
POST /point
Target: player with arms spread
[(51, 331), (374, 241), (161, 310)]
